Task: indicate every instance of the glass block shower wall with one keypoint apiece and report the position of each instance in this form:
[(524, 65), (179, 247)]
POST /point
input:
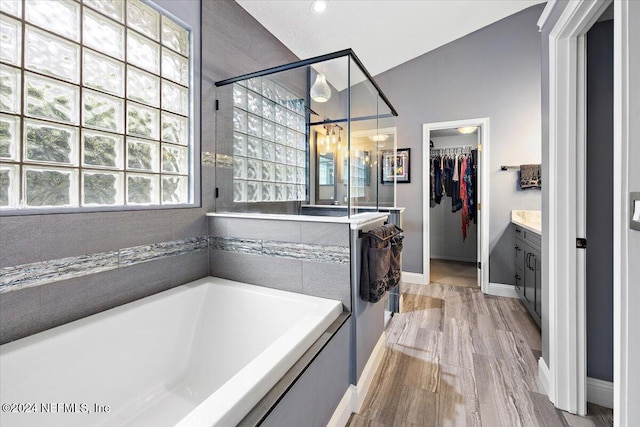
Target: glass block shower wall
[(269, 143), (95, 105)]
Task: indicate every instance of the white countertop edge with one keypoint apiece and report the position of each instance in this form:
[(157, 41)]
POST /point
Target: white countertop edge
[(529, 227), (354, 221), (382, 208)]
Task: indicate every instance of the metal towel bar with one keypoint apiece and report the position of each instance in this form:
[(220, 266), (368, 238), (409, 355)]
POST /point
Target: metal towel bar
[(367, 233)]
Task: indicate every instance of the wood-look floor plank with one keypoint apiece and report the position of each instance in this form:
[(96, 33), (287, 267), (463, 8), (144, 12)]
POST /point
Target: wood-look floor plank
[(519, 358), (423, 367), (483, 336), (479, 303), (498, 316), (413, 302), (458, 345), (360, 421), (458, 403), (522, 323), (546, 414), (497, 404), (383, 398), (417, 408), (432, 319)]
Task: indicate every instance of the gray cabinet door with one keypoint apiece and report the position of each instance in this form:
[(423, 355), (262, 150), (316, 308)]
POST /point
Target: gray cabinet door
[(529, 275), (519, 258), (538, 284)]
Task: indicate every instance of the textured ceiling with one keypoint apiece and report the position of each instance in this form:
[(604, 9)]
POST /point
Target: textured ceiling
[(383, 33)]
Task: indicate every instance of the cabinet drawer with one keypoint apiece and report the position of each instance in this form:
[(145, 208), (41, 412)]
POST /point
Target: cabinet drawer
[(530, 237)]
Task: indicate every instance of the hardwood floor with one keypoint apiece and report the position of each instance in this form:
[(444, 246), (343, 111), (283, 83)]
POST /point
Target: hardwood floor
[(455, 357), (454, 273)]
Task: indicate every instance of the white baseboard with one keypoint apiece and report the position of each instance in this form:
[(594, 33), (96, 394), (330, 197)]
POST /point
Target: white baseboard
[(600, 392), (341, 415), (452, 258), (502, 290), (360, 391), (543, 377), (354, 396), (415, 278)]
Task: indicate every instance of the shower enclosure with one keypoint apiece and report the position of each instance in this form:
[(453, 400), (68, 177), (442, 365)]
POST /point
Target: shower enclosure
[(308, 134)]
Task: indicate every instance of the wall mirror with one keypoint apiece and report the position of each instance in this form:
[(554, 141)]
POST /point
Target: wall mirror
[(326, 177)]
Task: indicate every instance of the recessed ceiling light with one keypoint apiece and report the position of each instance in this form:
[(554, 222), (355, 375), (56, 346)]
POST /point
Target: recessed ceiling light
[(467, 129), (318, 6), (379, 137)]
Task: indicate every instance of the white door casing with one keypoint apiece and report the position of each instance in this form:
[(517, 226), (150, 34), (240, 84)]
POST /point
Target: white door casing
[(565, 271)]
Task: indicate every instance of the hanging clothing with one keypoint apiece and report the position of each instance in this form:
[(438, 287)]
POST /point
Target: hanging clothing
[(432, 185), (474, 183), (447, 175), (464, 198), (468, 178), (456, 173), (436, 164), (455, 176), (456, 200)]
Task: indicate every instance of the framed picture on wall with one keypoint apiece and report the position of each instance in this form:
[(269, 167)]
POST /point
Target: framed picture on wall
[(395, 165)]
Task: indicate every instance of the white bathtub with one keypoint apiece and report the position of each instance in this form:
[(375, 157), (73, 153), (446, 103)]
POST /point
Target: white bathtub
[(201, 354)]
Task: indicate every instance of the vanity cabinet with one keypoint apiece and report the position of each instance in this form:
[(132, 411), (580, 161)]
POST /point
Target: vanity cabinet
[(528, 276)]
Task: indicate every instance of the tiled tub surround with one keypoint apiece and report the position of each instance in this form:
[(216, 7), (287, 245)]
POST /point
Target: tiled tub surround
[(298, 253), (238, 253), (40, 273), (159, 361)]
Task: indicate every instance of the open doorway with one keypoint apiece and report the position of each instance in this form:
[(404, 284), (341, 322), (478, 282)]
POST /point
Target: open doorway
[(453, 221), (456, 228)]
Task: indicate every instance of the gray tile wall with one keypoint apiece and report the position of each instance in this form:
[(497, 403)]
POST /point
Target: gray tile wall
[(316, 394), (233, 43), (275, 269)]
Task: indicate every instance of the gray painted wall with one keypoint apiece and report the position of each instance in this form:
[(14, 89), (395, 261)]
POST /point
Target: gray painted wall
[(233, 43), (599, 277), (495, 73), (445, 227)]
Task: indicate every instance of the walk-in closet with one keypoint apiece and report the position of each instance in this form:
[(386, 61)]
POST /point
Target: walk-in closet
[(454, 206)]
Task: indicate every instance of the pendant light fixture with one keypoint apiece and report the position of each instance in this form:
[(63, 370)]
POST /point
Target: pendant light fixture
[(320, 91)]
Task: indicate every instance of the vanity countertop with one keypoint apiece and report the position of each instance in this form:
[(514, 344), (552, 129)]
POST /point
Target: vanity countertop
[(531, 220), (355, 221)]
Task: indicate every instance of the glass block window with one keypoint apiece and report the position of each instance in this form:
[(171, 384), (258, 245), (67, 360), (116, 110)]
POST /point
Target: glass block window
[(95, 105), (269, 143)]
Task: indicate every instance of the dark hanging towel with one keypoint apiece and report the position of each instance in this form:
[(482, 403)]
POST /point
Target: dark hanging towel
[(530, 177), (380, 269)]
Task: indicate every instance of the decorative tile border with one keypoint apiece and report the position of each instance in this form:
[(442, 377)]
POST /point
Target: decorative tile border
[(144, 253), (208, 159), (290, 250), (230, 244), (40, 273)]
